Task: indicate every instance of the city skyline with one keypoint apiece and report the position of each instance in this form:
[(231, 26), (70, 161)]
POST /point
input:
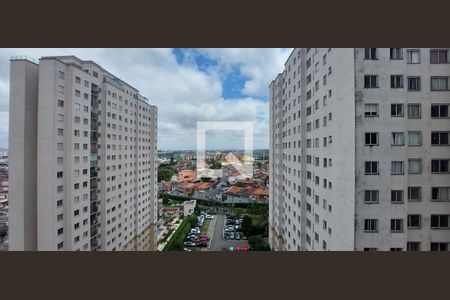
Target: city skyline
[(188, 85)]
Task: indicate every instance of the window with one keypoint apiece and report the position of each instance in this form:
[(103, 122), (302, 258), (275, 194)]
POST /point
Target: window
[(396, 225), (371, 110), (414, 138), (77, 106), (77, 93), (413, 56), (60, 131), (371, 225), (414, 221), (60, 89), (397, 110), (396, 196), (396, 81), (439, 247), (60, 160), (440, 138), (414, 166), (398, 139), (439, 83), (440, 193), (397, 168), (60, 231), (414, 83), (413, 246), (439, 165), (370, 53), (77, 79), (371, 138), (370, 81), (95, 74), (60, 245), (59, 189), (371, 196), (439, 56), (60, 103), (396, 249), (396, 53), (60, 146), (367, 249), (414, 193), (61, 75), (371, 167), (414, 111), (60, 117), (439, 110), (439, 221), (59, 174)]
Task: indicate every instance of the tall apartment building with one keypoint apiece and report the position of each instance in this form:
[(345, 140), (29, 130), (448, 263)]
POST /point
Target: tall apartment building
[(359, 150), (82, 158)]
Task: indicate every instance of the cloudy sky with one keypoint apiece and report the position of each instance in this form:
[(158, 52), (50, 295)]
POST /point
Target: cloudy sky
[(187, 85)]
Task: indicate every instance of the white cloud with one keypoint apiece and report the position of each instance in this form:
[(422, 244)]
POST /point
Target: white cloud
[(183, 93), (260, 65)]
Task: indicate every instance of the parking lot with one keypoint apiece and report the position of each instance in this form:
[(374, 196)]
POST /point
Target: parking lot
[(218, 242), (199, 236)]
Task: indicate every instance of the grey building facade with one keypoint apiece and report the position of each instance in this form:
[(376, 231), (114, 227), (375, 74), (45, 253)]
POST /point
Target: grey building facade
[(359, 150)]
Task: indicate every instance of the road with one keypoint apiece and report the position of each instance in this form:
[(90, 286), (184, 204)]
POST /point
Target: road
[(217, 241)]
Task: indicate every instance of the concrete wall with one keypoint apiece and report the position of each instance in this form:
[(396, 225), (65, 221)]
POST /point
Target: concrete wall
[(22, 156)]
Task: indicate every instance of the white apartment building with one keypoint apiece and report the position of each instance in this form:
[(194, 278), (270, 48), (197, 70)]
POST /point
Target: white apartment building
[(359, 150), (82, 158)]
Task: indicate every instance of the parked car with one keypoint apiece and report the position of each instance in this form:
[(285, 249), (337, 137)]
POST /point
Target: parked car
[(238, 236), (231, 236), (204, 237), (210, 217), (201, 240), (244, 237), (186, 249), (202, 244), (246, 248), (189, 244)]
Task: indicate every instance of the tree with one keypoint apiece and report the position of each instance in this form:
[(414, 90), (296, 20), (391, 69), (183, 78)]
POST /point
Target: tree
[(165, 173), (165, 199), (258, 243), (246, 224), (217, 164)]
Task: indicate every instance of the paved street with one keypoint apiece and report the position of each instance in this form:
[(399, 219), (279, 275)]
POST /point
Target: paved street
[(217, 242)]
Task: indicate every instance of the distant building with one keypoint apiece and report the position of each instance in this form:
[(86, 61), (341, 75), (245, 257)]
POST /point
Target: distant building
[(3, 152), (189, 207)]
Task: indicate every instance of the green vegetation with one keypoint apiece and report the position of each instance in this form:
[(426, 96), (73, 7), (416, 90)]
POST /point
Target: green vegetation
[(177, 240), (258, 243), (165, 173), (217, 164), (257, 232), (250, 208)]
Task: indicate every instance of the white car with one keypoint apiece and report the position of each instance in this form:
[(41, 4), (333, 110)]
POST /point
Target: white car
[(210, 217)]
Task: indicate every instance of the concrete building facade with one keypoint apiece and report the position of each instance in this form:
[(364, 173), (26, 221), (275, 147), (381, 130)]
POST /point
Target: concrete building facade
[(359, 149), (82, 158)]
